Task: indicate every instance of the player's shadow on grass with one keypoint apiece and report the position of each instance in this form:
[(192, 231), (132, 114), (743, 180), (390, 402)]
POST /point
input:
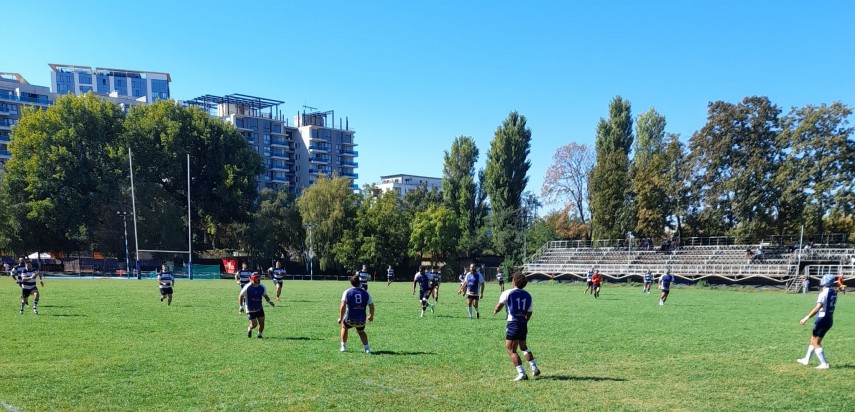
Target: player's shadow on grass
[(291, 338), (66, 315), (55, 306), (579, 378), (399, 353)]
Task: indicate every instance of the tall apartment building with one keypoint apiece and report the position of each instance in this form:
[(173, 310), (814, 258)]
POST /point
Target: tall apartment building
[(403, 184), (15, 93), (294, 156), (146, 87)]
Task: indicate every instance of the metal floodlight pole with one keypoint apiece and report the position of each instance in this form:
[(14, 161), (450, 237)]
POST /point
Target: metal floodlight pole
[(189, 233), (134, 205), (311, 257), (127, 254)]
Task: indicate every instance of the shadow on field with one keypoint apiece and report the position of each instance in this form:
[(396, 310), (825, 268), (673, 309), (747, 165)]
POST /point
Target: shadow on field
[(66, 315), (291, 338), (844, 366), (401, 353), (55, 306), (579, 378)]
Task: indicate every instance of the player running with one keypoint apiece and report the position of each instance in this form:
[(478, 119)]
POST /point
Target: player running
[(500, 279), (352, 313), (596, 281), (364, 277), (473, 284), (824, 311), (588, 282), (249, 300), (665, 286), (390, 275), (28, 279), (519, 309), (648, 280), (243, 275), (423, 280), (841, 285), (436, 279), (165, 280), (278, 274)]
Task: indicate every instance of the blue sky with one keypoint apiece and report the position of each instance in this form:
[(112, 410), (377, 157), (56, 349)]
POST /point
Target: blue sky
[(412, 76)]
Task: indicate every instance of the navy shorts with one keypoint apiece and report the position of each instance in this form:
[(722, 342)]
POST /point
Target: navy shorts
[(424, 293), (27, 292), (516, 330), (822, 326), (501, 282), (242, 285), (278, 282), (472, 297), (589, 283), (666, 291), (358, 325), (166, 291), (255, 315), (364, 286)]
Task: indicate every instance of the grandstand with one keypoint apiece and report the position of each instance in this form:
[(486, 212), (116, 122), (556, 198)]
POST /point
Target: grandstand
[(717, 260)]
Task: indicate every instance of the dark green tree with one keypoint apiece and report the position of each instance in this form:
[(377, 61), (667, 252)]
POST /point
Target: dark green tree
[(650, 177), (276, 231), (735, 158), (505, 179), (612, 208), (61, 182), (461, 193), (434, 232), (379, 235)]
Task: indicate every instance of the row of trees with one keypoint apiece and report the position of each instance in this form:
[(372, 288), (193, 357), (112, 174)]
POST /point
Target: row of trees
[(749, 172), (69, 177)]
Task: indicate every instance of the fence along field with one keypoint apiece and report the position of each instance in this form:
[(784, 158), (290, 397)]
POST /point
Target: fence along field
[(112, 345)]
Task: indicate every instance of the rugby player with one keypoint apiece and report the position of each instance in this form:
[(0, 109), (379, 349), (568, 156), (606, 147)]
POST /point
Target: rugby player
[(588, 282), (648, 280), (390, 275), (500, 279), (824, 311), (665, 286), (518, 304), (243, 275), (28, 280), (364, 277), (596, 281), (249, 300), (165, 281), (473, 284), (352, 313), (436, 279), (278, 278), (423, 281)]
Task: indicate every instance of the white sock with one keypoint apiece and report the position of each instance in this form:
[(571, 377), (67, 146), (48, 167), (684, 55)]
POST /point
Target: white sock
[(809, 352), (532, 363), (343, 344), (470, 311), (520, 370), (820, 354)]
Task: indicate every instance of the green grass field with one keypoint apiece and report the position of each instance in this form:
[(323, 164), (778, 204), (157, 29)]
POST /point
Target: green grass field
[(112, 345)]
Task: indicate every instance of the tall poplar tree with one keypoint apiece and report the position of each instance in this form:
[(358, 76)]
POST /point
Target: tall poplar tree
[(505, 179), (461, 194), (612, 211)]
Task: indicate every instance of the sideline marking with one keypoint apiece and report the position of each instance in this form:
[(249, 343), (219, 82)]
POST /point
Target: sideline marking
[(9, 407)]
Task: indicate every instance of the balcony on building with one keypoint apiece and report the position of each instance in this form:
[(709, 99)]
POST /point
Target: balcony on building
[(279, 141), (278, 154), (240, 106), (350, 174), (279, 177), (5, 109), (348, 163), (347, 152), (319, 159), (6, 124), (319, 148)]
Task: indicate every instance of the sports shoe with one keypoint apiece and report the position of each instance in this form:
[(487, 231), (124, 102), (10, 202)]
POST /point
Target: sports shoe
[(822, 366), (661, 303), (343, 349), (249, 333), (478, 315), (161, 298), (422, 315), (260, 337), (36, 311), (368, 351), (535, 371), (521, 377), (431, 308), (803, 361), (21, 312)]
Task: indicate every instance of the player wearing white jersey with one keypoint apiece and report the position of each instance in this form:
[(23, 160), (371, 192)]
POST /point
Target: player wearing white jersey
[(519, 309), (165, 280), (824, 311), (242, 277), (390, 275), (364, 277)]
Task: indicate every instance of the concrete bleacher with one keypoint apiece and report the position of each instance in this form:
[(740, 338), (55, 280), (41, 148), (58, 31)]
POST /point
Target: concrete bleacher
[(697, 259)]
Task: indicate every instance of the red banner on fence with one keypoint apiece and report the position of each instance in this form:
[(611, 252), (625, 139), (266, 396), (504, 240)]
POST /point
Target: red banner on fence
[(230, 265)]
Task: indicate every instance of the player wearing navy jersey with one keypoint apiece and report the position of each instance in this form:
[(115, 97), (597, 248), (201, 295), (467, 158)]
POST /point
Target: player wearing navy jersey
[(436, 279), (665, 282), (364, 277), (518, 304), (250, 301), (473, 284), (29, 277), (824, 311), (278, 274), (588, 282), (648, 280), (423, 281), (352, 312), (500, 279), (390, 275), (165, 280), (243, 275)]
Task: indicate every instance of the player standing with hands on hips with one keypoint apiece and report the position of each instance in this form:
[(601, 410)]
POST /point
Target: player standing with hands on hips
[(251, 294), (519, 309), (824, 311)]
